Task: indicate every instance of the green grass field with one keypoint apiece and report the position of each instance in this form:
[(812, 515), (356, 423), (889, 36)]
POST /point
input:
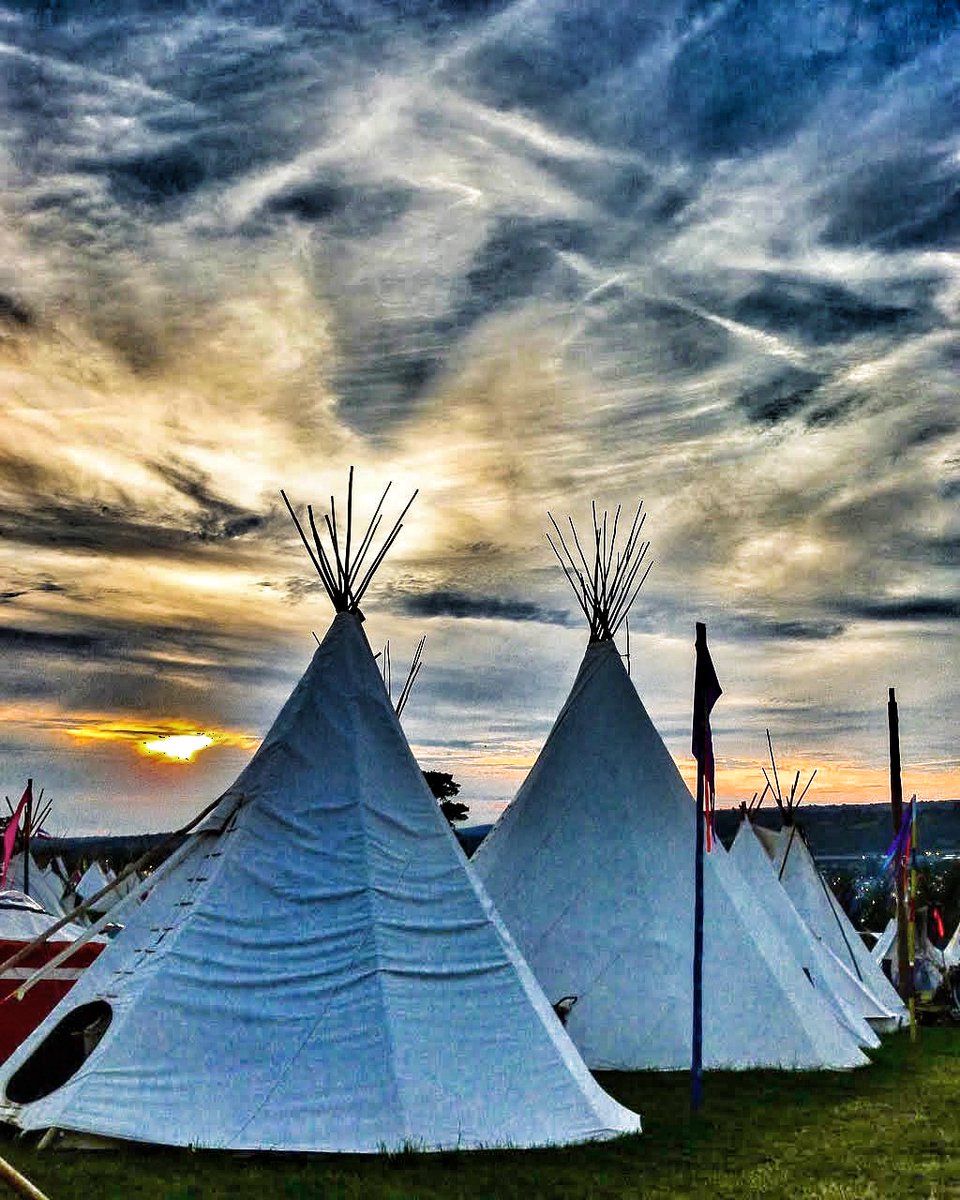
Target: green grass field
[(892, 1129)]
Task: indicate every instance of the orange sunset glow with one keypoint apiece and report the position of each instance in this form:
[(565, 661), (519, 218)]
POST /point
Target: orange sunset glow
[(178, 747)]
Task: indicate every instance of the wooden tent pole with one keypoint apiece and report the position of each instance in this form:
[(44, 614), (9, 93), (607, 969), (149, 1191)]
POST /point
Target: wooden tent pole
[(896, 807), (912, 928), (27, 818)]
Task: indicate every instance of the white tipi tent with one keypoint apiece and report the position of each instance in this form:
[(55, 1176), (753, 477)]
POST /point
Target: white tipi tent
[(852, 1004), (318, 969), (822, 911), (592, 869), (45, 886), (951, 951)]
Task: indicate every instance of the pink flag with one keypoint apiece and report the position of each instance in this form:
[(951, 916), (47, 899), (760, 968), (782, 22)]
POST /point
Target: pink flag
[(10, 833)]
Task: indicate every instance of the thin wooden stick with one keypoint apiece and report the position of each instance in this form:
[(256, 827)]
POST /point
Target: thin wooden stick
[(636, 593), (804, 792), (142, 861), (371, 571), (772, 792), (108, 918), (334, 587), (38, 823), (579, 592), (412, 674), (346, 552), (371, 532), (332, 530), (303, 538), (774, 762), (20, 1183)]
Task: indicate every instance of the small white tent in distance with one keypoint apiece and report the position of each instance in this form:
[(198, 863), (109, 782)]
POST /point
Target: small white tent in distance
[(852, 1004), (317, 969), (815, 902), (592, 868)]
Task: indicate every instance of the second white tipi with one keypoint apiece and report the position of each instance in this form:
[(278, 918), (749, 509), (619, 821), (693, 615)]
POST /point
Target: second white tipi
[(592, 869)]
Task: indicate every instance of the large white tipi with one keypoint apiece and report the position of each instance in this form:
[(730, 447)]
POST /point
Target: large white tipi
[(317, 969), (592, 869)]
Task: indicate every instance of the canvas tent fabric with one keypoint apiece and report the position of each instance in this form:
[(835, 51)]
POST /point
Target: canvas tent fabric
[(592, 869), (930, 964), (46, 887), (883, 943), (823, 913), (94, 880), (852, 1004), (951, 951), (320, 970), (22, 919)]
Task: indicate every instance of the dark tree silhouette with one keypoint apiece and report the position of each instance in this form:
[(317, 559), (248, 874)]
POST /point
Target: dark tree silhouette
[(445, 787)]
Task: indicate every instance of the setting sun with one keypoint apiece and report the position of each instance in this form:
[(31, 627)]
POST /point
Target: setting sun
[(181, 746)]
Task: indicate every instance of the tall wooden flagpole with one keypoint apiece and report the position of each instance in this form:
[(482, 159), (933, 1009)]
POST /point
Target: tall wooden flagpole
[(896, 808), (696, 1057), (706, 692), (912, 932)]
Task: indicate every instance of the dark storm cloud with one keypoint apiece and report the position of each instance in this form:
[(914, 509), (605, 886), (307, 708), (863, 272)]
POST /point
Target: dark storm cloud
[(34, 515), (463, 606), (778, 399), (917, 608), (41, 641), (14, 312), (111, 529), (348, 209), (42, 587), (131, 647), (901, 201), (513, 261), (219, 519), (756, 627), (759, 68), (818, 312)]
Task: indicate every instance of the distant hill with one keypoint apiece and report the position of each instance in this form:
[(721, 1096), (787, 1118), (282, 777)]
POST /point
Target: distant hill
[(833, 831), (842, 830)]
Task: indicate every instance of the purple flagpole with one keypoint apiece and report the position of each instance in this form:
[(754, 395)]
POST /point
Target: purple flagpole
[(706, 692)]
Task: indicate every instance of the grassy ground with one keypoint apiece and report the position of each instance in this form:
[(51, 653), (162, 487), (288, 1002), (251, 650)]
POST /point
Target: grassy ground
[(889, 1130)]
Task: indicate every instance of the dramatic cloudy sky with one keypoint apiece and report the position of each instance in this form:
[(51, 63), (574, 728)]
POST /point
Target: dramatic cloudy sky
[(519, 255)]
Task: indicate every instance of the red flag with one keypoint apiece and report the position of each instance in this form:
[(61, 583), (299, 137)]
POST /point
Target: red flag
[(706, 692), (10, 833)]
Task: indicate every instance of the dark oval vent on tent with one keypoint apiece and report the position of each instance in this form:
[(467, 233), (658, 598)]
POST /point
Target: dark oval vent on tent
[(61, 1053)]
